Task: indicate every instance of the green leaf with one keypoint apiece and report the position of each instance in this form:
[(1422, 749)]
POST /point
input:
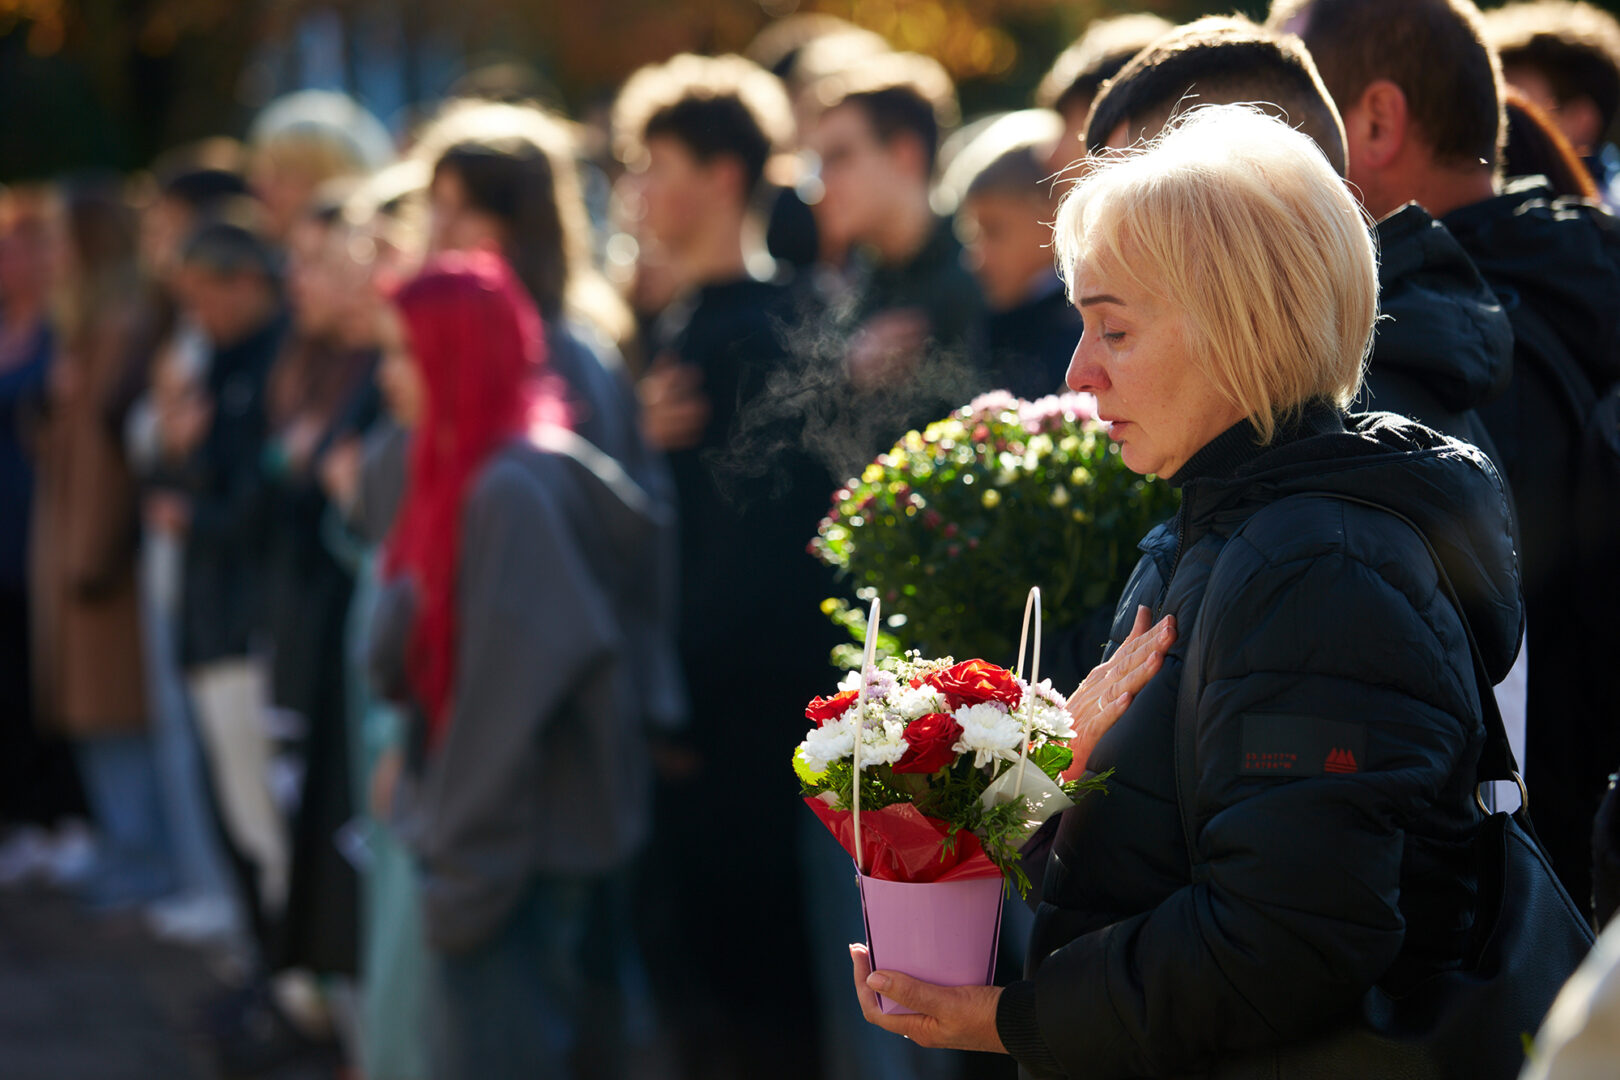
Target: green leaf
[(1052, 759), (801, 769)]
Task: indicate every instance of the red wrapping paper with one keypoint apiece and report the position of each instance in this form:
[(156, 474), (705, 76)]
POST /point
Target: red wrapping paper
[(900, 844)]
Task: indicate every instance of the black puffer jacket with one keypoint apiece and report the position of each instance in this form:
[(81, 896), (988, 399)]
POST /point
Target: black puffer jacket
[(1444, 346), (1337, 725)]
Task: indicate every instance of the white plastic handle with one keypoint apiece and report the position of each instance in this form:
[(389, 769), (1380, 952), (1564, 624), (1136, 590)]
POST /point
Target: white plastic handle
[(1031, 604), (867, 662)]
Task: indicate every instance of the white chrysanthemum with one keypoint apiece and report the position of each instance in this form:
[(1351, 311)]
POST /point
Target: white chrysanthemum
[(832, 741), (911, 702), (989, 733)]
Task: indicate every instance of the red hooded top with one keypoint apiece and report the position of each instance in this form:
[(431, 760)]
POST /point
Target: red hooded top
[(476, 339)]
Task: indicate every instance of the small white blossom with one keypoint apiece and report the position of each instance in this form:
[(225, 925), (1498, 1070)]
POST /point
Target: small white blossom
[(912, 703), (989, 733), (884, 744), (1051, 718), (878, 684)]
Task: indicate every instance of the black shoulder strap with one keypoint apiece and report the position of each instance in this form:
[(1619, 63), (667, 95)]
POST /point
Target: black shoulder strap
[(1496, 760)]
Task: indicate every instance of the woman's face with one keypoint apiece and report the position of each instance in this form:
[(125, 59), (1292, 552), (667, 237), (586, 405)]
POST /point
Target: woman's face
[(455, 224), (398, 376), (1134, 357), (312, 277)]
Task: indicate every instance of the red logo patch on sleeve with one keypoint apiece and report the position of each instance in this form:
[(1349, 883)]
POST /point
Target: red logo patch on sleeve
[(1286, 746), (1340, 760)]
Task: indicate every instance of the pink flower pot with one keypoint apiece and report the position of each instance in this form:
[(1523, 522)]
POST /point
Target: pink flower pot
[(939, 932)]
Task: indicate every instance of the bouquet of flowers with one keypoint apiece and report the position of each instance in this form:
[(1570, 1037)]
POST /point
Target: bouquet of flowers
[(932, 774), (947, 526), (948, 790)]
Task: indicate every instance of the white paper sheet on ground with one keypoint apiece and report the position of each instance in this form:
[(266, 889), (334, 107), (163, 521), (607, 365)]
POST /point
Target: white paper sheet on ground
[(1042, 796)]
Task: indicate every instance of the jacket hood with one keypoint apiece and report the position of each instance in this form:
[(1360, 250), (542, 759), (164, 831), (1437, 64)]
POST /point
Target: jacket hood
[(1448, 488), (1556, 256), (623, 515), (1442, 325)]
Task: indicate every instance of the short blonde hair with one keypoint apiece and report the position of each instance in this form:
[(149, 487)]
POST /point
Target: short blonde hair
[(321, 134), (1240, 223)]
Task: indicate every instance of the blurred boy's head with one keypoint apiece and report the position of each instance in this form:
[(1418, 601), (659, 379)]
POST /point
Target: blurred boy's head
[(878, 138), (698, 131), (802, 50), (1217, 60), (1566, 58), (1080, 70), (187, 189), (228, 281), (1006, 204)]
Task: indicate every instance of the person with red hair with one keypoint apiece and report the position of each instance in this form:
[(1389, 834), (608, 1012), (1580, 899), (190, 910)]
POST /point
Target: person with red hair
[(520, 625)]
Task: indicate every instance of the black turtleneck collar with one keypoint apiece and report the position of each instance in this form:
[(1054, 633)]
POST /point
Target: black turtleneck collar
[(1224, 456)]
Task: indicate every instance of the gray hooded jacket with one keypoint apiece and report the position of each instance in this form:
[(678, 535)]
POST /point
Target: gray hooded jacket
[(562, 652)]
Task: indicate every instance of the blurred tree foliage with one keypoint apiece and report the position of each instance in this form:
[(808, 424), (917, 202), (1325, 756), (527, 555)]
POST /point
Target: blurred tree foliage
[(110, 83)]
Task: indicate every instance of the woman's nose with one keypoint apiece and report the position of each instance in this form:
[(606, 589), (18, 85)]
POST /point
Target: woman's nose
[(1085, 375)]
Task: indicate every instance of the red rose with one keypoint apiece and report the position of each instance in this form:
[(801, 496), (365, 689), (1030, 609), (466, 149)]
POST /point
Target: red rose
[(974, 682), (823, 709), (929, 740)]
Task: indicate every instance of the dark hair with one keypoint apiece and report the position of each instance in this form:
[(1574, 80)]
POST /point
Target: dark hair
[(511, 179), (1434, 50), (1220, 60), (1535, 147), (1095, 57), (519, 164), (899, 94), (228, 248), (900, 110), (712, 127), (202, 188), (1575, 47), (715, 106)]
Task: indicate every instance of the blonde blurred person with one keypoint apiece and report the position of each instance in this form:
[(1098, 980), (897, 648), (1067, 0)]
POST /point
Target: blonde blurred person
[(301, 141)]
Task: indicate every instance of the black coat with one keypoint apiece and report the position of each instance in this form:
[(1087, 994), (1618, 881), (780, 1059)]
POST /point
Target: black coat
[(1320, 630), (1444, 347), (222, 593), (1554, 266)]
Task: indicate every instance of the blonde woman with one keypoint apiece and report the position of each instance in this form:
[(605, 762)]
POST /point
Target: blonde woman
[(1310, 838)]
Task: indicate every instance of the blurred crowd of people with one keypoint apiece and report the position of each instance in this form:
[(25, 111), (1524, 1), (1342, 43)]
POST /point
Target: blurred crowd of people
[(403, 583)]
